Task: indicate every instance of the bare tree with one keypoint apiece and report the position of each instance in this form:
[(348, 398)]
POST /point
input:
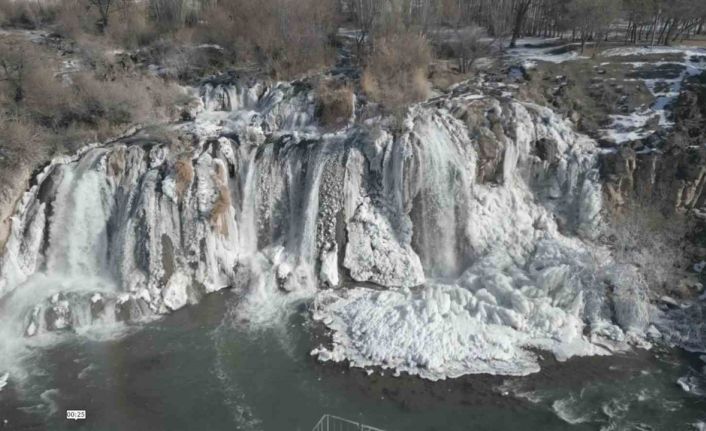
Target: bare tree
[(592, 19), (521, 8), (170, 13), (469, 46), (285, 37), (364, 13), (104, 9)]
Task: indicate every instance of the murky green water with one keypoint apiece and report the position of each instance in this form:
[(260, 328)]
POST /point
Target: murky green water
[(203, 369)]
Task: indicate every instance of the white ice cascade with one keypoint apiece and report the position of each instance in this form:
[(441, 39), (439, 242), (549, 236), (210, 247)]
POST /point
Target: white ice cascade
[(470, 229)]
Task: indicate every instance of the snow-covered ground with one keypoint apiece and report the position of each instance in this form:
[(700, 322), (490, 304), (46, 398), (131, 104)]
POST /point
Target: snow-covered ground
[(633, 125), (532, 49)]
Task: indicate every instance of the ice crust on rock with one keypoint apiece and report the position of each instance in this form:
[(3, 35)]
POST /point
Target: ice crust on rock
[(175, 294), (380, 252), (526, 284)]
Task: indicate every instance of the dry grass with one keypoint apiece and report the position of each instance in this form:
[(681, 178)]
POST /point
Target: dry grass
[(28, 14), (285, 38), (334, 104), (116, 162), (184, 174), (86, 100), (43, 112), (219, 212), (396, 72), (19, 153), (698, 41), (97, 104)]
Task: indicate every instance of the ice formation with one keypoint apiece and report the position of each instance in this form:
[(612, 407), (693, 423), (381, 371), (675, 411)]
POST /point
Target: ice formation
[(523, 283), (450, 247)]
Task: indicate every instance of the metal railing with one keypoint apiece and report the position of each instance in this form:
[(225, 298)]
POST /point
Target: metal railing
[(335, 423)]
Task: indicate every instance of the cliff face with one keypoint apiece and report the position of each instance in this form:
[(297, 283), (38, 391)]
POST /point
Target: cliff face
[(673, 174), (481, 212), (259, 176), (480, 228), (8, 198)]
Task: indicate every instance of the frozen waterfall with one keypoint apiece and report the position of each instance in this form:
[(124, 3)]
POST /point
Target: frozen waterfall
[(452, 246)]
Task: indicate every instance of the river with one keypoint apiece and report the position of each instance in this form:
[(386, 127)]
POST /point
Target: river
[(203, 368)]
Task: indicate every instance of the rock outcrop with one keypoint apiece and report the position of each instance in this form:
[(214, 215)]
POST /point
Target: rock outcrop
[(669, 168)]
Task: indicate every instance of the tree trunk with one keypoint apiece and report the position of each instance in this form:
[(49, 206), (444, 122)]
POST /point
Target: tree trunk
[(670, 31), (522, 7), (661, 33), (653, 31)]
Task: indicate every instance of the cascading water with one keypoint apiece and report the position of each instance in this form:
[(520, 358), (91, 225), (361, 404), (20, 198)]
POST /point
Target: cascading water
[(476, 218)]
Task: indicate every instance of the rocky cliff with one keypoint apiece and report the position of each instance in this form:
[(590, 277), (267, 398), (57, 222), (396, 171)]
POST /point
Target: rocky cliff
[(489, 205)]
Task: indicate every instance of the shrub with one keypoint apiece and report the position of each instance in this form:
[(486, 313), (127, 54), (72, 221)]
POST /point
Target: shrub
[(16, 64), (184, 174), (19, 141), (222, 203), (128, 27), (334, 104), (78, 106), (103, 105), (467, 45), (28, 14), (131, 27), (396, 71), (73, 19), (174, 14), (642, 235), (284, 37)]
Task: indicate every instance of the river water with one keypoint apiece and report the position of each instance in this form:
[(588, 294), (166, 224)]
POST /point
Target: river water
[(203, 368)]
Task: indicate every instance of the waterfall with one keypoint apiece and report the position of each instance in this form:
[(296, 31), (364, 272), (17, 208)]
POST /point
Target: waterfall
[(78, 236), (483, 206), (447, 167)]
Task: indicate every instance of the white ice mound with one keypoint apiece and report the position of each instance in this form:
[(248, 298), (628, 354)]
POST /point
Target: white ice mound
[(485, 323), (438, 331)]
